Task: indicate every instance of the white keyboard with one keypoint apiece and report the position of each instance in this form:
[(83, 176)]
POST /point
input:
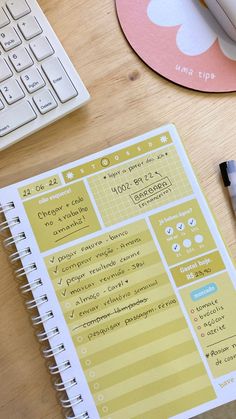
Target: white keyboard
[(38, 83)]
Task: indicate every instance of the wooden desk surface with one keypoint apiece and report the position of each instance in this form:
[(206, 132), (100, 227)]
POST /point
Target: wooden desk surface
[(127, 99)]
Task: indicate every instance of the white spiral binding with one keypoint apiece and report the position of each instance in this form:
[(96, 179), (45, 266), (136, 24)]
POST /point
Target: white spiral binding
[(7, 224), (70, 402), (53, 351), (58, 368), (25, 270), (32, 304), (20, 254), (83, 415), (64, 385), (30, 286), (36, 302), (13, 240), (36, 320), (7, 207), (42, 336)]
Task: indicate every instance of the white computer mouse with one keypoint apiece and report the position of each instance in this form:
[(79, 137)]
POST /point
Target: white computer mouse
[(225, 13)]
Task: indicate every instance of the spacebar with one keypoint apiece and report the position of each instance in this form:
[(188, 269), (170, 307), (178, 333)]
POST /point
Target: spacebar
[(15, 117)]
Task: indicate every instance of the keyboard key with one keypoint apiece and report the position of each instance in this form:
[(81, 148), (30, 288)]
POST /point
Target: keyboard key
[(41, 48), (59, 79), (45, 101), (29, 27), (1, 105), (18, 8), (20, 59), (9, 38), (32, 80), (12, 91), (15, 117), (3, 18), (5, 71)]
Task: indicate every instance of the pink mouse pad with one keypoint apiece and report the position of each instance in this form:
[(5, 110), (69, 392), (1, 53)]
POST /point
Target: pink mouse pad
[(182, 41)]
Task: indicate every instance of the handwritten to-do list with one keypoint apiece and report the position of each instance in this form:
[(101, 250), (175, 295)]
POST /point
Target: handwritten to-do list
[(126, 324), (142, 277)]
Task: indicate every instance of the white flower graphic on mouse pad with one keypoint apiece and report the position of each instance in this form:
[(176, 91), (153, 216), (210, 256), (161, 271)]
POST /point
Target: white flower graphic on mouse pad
[(198, 29)]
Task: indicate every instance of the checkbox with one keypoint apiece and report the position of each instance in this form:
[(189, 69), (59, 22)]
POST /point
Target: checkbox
[(55, 271)]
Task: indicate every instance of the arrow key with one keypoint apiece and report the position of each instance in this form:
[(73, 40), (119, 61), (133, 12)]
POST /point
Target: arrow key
[(20, 59), (12, 91)]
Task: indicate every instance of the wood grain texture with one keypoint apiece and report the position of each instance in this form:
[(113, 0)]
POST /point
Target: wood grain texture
[(128, 99)]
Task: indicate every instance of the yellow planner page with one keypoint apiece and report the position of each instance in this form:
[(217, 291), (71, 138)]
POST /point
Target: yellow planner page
[(143, 282)]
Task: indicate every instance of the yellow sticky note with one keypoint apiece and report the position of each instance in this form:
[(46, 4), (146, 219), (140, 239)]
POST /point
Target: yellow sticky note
[(61, 216)]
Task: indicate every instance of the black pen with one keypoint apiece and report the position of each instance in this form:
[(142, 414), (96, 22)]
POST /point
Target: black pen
[(228, 173)]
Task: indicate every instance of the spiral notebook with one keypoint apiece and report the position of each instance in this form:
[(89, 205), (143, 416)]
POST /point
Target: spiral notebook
[(133, 285)]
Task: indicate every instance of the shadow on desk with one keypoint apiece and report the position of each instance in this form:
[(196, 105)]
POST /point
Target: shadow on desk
[(227, 411)]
